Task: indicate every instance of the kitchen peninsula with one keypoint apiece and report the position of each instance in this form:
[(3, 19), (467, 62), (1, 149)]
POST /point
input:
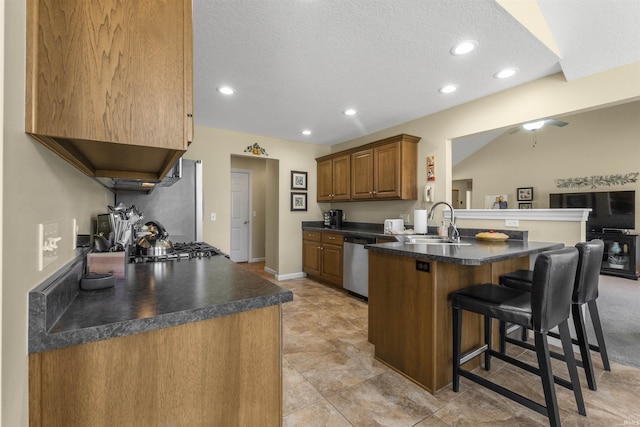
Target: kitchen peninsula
[(409, 307), (188, 342)]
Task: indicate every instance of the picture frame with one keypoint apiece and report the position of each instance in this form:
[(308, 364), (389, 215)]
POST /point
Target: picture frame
[(525, 194), (525, 205), (298, 201), (298, 180)]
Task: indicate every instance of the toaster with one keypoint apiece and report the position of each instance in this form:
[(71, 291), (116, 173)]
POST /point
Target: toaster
[(393, 225)]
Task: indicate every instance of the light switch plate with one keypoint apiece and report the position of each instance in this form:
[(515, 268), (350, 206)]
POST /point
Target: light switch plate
[(48, 238), (511, 223)]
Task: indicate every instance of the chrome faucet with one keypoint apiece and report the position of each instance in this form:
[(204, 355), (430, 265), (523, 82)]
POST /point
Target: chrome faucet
[(453, 232)]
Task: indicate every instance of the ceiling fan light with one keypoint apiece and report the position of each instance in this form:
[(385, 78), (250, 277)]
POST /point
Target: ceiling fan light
[(533, 125)]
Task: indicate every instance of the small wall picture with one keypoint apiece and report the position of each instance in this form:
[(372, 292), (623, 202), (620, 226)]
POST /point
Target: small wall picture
[(298, 180), (525, 193), (298, 201), (496, 201), (525, 205)]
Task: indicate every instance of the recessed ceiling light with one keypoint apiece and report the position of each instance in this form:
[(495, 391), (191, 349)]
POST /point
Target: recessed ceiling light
[(464, 47), (533, 125), (226, 90), (350, 112), (506, 73), (306, 132), (448, 89)]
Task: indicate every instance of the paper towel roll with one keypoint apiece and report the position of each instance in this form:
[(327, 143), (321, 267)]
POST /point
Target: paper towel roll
[(420, 221)]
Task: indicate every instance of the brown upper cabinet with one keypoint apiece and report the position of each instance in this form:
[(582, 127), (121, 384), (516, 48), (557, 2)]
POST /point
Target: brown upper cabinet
[(109, 84), (382, 170), (333, 178)]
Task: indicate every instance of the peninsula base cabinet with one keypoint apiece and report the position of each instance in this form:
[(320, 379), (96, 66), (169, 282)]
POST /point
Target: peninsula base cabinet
[(221, 371), (410, 315)]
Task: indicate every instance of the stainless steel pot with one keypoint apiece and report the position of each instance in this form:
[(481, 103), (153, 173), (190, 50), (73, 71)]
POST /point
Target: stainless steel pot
[(156, 242), (151, 245)]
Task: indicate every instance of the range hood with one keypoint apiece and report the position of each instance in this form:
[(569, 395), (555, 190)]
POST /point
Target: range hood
[(119, 185)]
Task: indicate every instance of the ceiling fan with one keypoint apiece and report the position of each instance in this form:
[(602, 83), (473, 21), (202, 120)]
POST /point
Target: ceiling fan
[(534, 126)]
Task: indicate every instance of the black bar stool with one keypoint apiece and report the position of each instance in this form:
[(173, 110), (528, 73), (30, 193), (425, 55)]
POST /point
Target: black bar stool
[(585, 291), (545, 307)]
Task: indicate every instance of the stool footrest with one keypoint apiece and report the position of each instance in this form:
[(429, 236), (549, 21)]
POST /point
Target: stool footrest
[(574, 341), (505, 392), (522, 365), (473, 354), (553, 354)]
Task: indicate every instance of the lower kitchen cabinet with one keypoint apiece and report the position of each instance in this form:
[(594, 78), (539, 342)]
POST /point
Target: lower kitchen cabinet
[(322, 256), (221, 371)]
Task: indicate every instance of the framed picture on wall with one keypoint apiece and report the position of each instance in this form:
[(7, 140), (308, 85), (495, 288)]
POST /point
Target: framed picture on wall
[(525, 206), (525, 194), (298, 180), (298, 201)]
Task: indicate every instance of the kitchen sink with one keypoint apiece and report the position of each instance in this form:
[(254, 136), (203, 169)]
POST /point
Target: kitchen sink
[(421, 239)]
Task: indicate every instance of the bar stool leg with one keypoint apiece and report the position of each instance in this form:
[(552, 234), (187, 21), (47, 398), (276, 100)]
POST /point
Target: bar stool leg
[(544, 363), (597, 327), (583, 344), (457, 325), (488, 336), (567, 346), (503, 337)]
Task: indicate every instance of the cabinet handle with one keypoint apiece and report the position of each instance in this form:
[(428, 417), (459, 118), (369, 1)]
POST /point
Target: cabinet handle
[(375, 192)]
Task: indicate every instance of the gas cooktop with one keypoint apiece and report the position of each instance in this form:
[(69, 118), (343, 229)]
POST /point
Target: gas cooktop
[(179, 251)]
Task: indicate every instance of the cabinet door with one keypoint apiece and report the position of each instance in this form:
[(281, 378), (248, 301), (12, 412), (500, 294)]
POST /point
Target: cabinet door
[(332, 263), (341, 178), (110, 71), (362, 175), (311, 257), (386, 171), (325, 180)]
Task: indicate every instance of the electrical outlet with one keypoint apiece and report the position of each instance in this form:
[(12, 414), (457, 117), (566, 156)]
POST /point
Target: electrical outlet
[(48, 238), (213, 216), (404, 217), (511, 223)]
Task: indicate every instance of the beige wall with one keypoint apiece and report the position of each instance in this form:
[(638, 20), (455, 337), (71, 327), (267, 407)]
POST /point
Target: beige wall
[(548, 97), (39, 188), (215, 148), (599, 142)]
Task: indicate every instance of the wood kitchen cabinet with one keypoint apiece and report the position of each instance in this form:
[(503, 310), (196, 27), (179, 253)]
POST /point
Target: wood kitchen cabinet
[(322, 256), (109, 84), (333, 178), (382, 170)]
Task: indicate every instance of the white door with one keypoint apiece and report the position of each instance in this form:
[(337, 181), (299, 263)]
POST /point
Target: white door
[(240, 225)]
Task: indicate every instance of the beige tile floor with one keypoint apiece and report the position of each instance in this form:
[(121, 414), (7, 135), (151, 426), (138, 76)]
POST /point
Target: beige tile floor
[(332, 379)]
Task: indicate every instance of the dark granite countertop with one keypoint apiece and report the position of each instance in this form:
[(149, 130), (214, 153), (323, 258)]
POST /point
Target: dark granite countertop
[(151, 296), (473, 252)]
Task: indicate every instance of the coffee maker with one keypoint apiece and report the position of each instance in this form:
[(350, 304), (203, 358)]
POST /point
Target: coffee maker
[(335, 218)]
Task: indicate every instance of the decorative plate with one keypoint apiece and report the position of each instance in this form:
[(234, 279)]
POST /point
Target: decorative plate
[(490, 236)]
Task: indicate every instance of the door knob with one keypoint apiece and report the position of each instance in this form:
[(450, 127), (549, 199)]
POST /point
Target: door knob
[(246, 222)]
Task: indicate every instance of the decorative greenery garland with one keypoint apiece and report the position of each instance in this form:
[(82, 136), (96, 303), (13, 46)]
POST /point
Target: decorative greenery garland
[(597, 180)]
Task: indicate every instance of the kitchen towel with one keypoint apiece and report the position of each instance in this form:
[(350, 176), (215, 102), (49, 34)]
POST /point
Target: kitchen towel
[(420, 221)]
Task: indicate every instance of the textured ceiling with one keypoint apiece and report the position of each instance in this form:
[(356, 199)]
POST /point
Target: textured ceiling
[(297, 64)]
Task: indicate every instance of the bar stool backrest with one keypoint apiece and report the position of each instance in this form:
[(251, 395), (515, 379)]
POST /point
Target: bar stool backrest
[(554, 275), (588, 274)]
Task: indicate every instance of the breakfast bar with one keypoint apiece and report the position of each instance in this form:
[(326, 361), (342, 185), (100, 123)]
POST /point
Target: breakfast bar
[(410, 319)]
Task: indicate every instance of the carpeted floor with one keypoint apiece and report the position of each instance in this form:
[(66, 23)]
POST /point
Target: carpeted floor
[(619, 307)]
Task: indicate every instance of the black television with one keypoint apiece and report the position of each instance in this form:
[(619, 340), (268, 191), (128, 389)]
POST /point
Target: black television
[(609, 209)]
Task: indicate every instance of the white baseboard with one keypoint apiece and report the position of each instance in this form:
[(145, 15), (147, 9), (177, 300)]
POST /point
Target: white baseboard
[(256, 259), (290, 276)]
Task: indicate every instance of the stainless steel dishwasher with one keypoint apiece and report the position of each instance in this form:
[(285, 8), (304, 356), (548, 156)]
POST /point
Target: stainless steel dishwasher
[(356, 265)]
